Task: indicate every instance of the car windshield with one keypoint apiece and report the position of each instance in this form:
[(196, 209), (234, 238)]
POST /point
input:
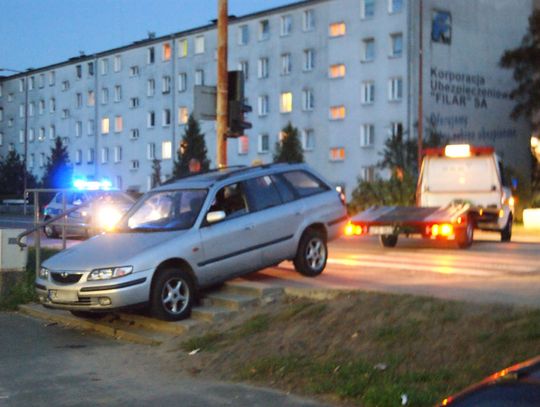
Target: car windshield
[(164, 210)]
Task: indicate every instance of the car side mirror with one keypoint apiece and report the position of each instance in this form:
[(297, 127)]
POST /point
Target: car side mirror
[(216, 216)]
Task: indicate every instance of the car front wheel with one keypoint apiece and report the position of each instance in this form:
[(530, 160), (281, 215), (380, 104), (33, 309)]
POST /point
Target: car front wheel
[(506, 233), (172, 295), (50, 231), (312, 254)]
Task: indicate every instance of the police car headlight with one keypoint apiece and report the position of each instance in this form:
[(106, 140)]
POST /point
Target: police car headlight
[(109, 273), (43, 273)]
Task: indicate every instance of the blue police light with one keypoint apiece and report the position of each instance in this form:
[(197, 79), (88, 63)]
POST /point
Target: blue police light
[(85, 185)]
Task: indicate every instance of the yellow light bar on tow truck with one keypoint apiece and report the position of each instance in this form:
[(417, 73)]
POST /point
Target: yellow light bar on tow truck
[(457, 150)]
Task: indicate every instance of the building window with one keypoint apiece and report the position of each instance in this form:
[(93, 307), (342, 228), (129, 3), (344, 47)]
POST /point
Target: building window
[(52, 78), (337, 29), (90, 126), (150, 87), (396, 43), (367, 135), (396, 128), (31, 160), (368, 50), (199, 44), (104, 66), (52, 132), (21, 85), (10, 97), (183, 115), (31, 134), (118, 124), (286, 64), (263, 68), (244, 67), (31, 108), (134, 165), (65, 113), (78, 129), (263, 105), (264, 30), (90, 69), (78, 100), (263, 145), (337, 71), (166, 117), (166, 84), (134, 71), (1, 114), (368, 173), (104, 96), (105, 125), (368, 92), (117, 154), (42, 159), (41, 106), (134, 134), (286, 102), (243, 34), (395, 89), (182, 82), (308, 20), (41, 134), (368, 9), (78, 71), (243, 145), (41, 80), (395, 6), (337, 154), (308, 101), (150, 55), (117, 63), (151, 120), (91, 98), (151, 151), (337, 112), (182, 48), (117, 93), (21, 110), (104, 155), (308, 140), (133, 103), (166, 52), (1, 90), (286, 25), (90, 156), (309, 59), (199, 77), (166, 150)]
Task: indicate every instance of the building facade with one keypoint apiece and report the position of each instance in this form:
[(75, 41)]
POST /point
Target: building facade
[(344, 72)]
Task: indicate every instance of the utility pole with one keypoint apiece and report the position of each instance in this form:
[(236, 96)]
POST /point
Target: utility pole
[(222, 85), (420, 86)]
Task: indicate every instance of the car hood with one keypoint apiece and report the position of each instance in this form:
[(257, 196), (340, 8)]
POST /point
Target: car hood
[(108, 250)]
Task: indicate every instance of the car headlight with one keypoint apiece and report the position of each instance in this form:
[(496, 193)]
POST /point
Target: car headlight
[(43, 273), (108, 273), (108, 217)]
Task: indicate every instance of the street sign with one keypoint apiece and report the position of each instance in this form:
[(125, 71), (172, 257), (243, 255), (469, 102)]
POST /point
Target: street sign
[(204, 102)]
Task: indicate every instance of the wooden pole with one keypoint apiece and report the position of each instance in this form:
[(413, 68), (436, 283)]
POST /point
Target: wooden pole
[(420, 87), (222, 85)]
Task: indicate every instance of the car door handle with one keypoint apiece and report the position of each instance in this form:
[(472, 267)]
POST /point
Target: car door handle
[(250, 227)]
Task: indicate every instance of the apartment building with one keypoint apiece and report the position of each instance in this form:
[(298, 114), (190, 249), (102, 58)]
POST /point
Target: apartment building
[(346, 73)]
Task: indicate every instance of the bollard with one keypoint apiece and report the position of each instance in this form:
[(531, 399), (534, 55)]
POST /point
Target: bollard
[(13, 260)]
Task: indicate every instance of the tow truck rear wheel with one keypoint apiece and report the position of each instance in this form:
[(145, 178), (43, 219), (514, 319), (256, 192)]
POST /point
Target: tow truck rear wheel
[(464, 237), (388, 240), (506, 233)]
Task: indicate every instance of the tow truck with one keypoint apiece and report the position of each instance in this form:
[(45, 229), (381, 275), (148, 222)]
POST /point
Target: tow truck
[(460, 188)]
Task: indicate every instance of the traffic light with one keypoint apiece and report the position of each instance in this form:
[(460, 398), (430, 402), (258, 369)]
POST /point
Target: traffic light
[(237, 106)]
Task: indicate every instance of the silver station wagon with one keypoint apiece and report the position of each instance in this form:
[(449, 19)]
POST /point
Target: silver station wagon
[(195, 232)]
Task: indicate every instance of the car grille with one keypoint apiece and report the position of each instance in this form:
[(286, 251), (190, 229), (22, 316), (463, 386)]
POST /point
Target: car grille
[(66, 278)]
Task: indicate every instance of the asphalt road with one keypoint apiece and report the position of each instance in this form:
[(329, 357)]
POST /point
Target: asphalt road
[(47, 365)]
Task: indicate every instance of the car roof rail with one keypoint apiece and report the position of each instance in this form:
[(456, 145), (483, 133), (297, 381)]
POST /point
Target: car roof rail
[(205, 172), (247, 169)]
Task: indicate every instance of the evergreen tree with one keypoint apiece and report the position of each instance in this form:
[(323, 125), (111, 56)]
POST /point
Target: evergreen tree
[(289, 150), (12, 175), (58, 170), (156, 173), (193, 147)]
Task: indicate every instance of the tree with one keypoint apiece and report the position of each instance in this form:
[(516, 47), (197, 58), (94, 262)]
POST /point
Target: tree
[(525, 61), (156, 173), (12, 175), (289, 150), (58, 170), (193, 147)]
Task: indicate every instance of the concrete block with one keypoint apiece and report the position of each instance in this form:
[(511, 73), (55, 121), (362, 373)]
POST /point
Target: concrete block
[(12, 260)]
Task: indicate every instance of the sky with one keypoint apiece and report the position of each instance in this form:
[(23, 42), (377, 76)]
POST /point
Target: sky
[(37, 33)]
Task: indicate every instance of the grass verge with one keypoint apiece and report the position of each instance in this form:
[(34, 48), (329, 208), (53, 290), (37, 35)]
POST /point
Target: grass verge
[(23, 292), (370, 348)]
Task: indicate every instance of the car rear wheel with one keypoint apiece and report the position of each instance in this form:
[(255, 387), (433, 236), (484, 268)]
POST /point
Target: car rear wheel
[(50, 231), (312, 253), (464, 237), (172, 296), (506, 233), (388, 240)]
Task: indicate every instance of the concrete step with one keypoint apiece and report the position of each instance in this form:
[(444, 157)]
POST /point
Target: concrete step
[(253, 288), (174, 328), (211, 314), (231, 301)]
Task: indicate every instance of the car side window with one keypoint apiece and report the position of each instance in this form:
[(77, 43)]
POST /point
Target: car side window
[(262, 193), (284, 189), (304, 184), (231, 200)]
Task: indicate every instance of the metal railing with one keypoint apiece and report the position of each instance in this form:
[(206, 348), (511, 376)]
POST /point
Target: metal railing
[(39, 225)]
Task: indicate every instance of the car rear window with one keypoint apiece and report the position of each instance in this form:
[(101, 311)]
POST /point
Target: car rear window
[(304, 184)]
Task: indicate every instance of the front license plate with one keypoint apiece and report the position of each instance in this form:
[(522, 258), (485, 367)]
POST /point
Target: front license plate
[(63, 296), (381, 230)]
